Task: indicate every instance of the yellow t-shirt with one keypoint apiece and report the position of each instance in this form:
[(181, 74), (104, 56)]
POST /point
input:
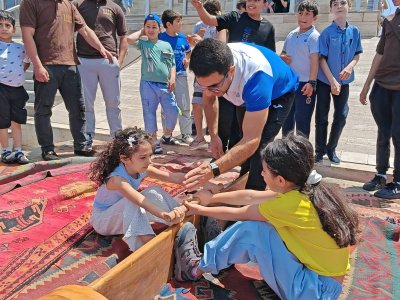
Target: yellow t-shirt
[(297, 222)]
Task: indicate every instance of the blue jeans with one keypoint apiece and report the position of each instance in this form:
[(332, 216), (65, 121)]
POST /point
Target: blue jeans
[(340, 103), (152, 94), (385, 108), (300, 114), (259, 242)]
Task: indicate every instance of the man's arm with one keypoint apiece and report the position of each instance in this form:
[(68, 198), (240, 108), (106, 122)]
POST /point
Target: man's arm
[(40, 72), (374, 67), (253, 124), (203, 14), (92, 39), (123, 48)]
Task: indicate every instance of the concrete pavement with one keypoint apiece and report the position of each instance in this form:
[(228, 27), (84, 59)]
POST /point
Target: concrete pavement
[(357, 144)]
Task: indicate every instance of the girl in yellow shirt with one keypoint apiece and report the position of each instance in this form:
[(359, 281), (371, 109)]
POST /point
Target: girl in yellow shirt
[(298, 231)]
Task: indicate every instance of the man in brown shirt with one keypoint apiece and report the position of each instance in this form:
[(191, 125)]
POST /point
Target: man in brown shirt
[(385, 106), (48, 28), (107, 20)]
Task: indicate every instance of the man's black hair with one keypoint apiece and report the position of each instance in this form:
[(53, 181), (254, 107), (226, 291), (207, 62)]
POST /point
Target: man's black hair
[(210, 56), (310, 6), (6, 16)]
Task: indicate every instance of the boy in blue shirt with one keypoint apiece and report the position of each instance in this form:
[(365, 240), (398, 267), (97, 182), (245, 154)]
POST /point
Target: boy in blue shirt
[(157, 80), (339, 49), (300, 51), (172, 22)]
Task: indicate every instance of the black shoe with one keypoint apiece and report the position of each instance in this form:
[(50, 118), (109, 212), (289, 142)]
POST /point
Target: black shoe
[(158, 149), (169, 140), (377, 183), (318, 158), (85, 151), (390, 191), (50, 155), (333, 157)]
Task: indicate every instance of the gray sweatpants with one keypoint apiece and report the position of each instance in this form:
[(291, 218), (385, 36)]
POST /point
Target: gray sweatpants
[(96, 71)]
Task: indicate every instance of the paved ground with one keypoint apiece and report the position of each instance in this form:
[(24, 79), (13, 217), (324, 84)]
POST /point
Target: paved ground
[(357, 144)]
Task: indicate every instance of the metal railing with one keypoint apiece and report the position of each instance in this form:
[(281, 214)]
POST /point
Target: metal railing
[(10, 5)]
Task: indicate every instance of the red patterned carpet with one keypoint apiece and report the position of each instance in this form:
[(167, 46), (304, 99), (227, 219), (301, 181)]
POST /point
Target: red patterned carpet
[(46, 241), (44, 214)]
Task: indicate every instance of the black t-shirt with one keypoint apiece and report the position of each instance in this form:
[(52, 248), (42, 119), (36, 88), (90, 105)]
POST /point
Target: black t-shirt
[(278, 7), (242, 28)]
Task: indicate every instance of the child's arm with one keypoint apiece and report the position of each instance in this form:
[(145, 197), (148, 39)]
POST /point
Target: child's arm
[(308, 89), (221, 35), (248, 212), (346, 72), (335, 86), (186, 60), (286, 58), (133, 37), (165, 176), (172, 79), (240, 197), (124, 187), (203, 14)]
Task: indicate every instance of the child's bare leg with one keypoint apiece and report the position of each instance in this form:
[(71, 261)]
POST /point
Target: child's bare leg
[(167, 132), (145, 238), (4, 138), (16, 134)]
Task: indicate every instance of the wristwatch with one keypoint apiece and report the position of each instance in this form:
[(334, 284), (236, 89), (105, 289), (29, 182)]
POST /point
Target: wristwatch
[(214, 169), (313, 84)]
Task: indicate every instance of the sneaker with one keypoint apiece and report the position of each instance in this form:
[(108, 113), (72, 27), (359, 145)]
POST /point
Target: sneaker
[(50, 155), (333, 157), (210, 228), (85, 151), (377, 183), (187, 253), (318, 158), (89, 142), (8, 157), (20, 158), (169, 141), (157, 149), (197, 145), (390, 191), (187, 138)]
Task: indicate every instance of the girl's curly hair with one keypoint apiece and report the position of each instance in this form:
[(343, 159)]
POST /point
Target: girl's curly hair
[(126, 142)]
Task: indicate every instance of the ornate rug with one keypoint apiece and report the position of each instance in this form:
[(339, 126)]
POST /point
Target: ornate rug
[(46, 208)]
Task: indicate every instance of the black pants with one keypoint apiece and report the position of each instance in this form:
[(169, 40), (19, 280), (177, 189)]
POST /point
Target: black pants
[(340, 103), (228, 126), (278, 111), (66, 79), (385, 108)]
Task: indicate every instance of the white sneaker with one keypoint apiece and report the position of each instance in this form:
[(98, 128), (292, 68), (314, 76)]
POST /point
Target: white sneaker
[(20, 158), (187, 138)]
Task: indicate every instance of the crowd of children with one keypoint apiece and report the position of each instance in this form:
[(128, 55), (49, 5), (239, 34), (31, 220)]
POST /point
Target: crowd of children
[(299, 230)]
